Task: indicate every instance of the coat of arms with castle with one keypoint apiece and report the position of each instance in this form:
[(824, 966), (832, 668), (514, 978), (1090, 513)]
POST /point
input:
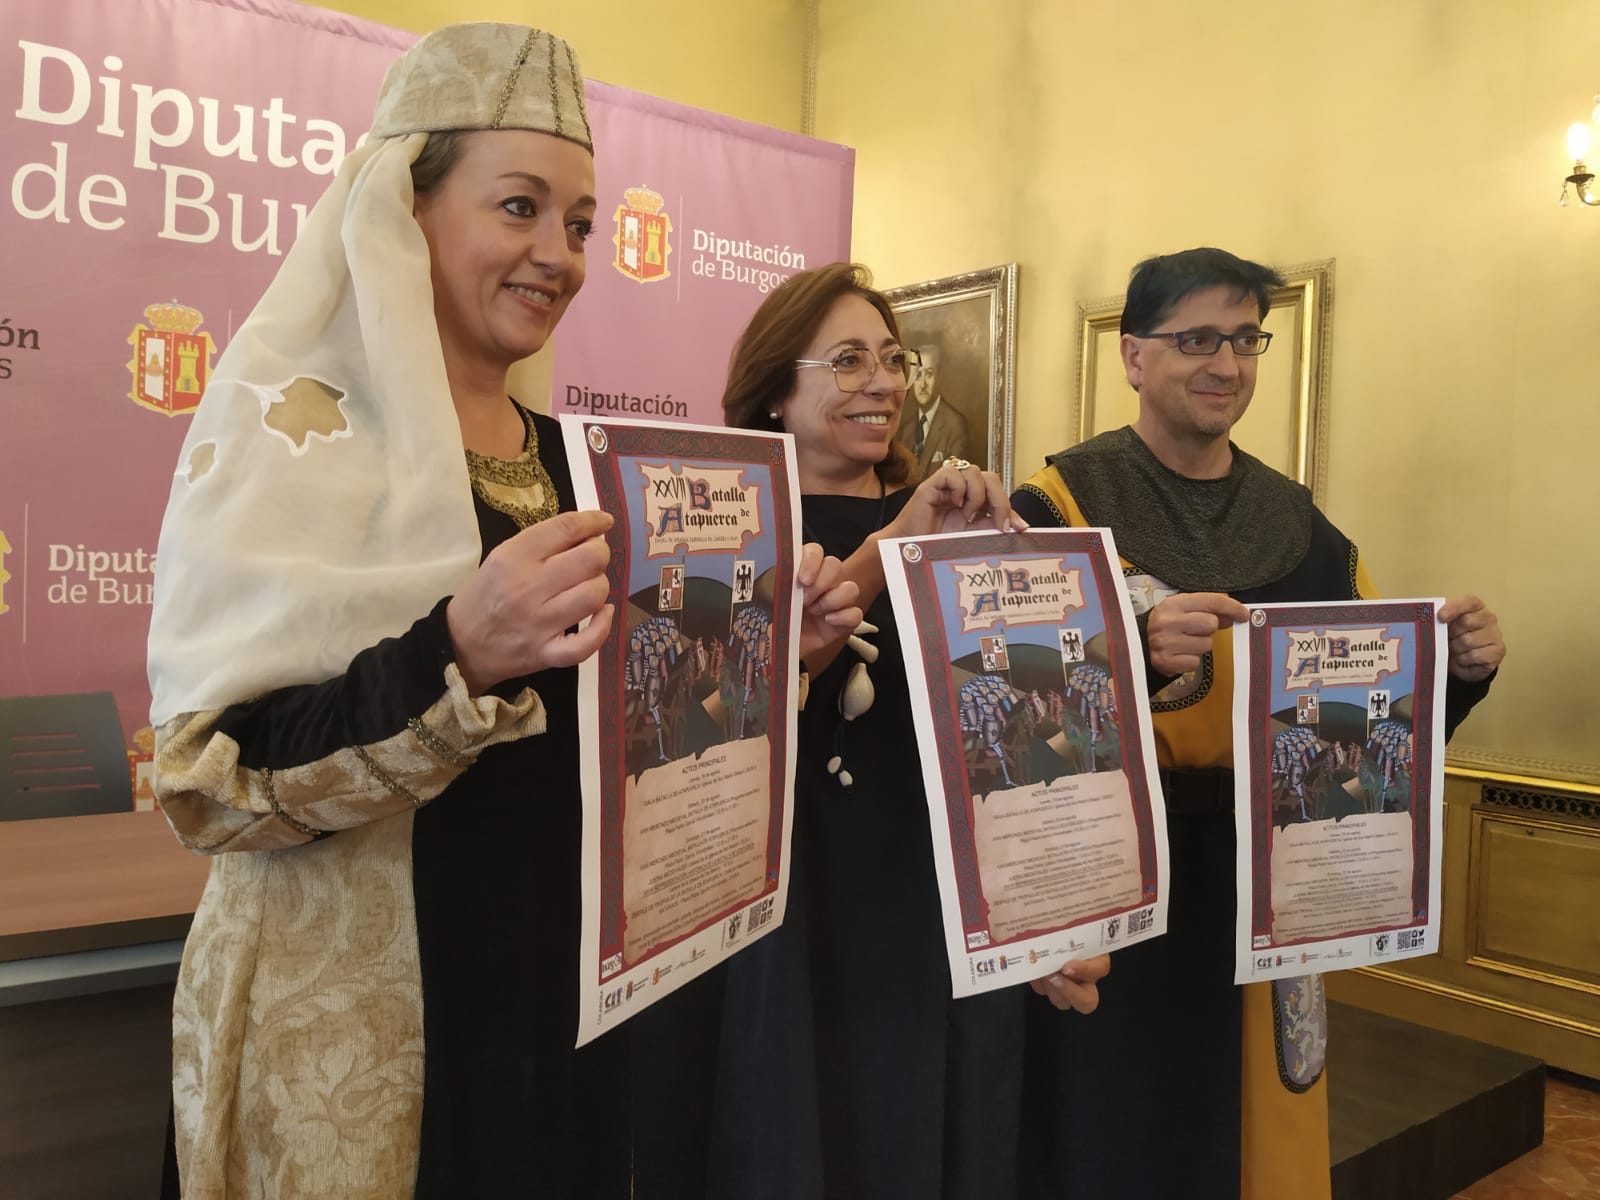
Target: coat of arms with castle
[(171, 361), (641, 239)]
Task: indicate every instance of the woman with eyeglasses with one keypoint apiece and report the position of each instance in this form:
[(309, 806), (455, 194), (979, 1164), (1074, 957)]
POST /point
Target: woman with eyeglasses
[(855, 1071)]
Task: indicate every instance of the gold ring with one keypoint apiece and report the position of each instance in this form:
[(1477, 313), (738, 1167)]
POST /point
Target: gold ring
[(959, 464)]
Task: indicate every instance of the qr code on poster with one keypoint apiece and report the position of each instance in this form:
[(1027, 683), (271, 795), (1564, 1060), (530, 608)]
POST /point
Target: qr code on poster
[(1410, 939), (761, 912), (1139, 921)]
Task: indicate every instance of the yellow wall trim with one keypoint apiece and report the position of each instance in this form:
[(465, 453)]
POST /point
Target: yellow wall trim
[(1459, 770), (1566, 1024), (1552, 772)]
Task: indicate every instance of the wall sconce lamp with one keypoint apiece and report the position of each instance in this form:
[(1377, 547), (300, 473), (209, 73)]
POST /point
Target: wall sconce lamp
[(1581, 178)]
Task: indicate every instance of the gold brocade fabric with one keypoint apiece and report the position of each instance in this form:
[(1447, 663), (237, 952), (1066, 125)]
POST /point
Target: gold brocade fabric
[(297, 1037), (519, 487)]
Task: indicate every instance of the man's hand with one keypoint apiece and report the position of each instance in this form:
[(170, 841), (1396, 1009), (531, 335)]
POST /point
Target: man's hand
[(1476, 647)]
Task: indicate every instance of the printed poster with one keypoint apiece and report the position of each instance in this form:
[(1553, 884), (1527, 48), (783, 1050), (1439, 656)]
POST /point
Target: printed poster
[(1338, 733), (688, 752), (1049, 830)]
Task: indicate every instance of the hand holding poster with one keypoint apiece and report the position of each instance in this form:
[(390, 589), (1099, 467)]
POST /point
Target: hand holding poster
[(1049, 833), (1339, 766), (688, 762)]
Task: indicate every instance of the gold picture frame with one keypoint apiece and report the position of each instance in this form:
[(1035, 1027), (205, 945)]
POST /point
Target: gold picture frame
[(1287, 423), (970, 320)]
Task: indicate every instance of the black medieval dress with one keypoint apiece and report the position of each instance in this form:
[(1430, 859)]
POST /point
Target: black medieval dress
[(842, 1046), (508, 1106)]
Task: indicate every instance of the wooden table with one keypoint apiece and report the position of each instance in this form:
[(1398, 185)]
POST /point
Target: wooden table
[(69, 884)]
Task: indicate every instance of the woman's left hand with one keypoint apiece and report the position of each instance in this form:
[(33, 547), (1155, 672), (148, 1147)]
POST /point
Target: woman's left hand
[(1074, 985), (956, 498), (830, 612)]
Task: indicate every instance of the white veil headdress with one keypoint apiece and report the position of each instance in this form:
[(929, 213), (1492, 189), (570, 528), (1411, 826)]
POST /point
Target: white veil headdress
[(321, 501)]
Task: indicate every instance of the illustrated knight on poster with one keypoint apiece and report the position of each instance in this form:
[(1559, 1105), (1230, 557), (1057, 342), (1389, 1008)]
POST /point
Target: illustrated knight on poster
[(689, 766), (1339, 764), (1037, 754)]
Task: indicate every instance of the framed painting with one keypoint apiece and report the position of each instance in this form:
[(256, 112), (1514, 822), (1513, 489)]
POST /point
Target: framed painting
[(960, 405)]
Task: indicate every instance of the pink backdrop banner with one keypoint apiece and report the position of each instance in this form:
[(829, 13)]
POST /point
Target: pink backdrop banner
[(700, 217), (156, 157)]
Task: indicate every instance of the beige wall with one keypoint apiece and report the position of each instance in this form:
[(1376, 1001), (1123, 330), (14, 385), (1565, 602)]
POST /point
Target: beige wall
[(745, 58), (1421, 145)]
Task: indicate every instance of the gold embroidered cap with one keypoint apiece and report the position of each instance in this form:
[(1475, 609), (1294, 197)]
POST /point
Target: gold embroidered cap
[(485, 75)]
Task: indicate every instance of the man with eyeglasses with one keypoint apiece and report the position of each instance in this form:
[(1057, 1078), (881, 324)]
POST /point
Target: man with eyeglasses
[(1180, 1085), (931, 429)]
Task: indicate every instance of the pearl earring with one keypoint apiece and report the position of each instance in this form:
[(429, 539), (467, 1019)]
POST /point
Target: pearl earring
[(773, 413)]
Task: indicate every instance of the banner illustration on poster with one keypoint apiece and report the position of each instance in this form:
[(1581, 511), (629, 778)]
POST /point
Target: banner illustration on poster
[(124, 139), (1339, 768), (1038, 758), (688, 769)]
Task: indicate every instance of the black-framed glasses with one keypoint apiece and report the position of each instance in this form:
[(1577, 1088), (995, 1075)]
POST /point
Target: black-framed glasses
[(1204, 342), (853, 369)]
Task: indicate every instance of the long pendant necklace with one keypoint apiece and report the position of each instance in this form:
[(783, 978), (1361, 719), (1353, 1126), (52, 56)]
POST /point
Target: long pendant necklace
[(857, 695)]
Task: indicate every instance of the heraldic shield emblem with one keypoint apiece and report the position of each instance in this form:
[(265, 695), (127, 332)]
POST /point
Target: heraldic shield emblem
[(641, 240), (171, 361)]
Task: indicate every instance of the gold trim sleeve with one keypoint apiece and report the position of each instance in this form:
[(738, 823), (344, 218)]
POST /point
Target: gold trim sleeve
[(215, 805)]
